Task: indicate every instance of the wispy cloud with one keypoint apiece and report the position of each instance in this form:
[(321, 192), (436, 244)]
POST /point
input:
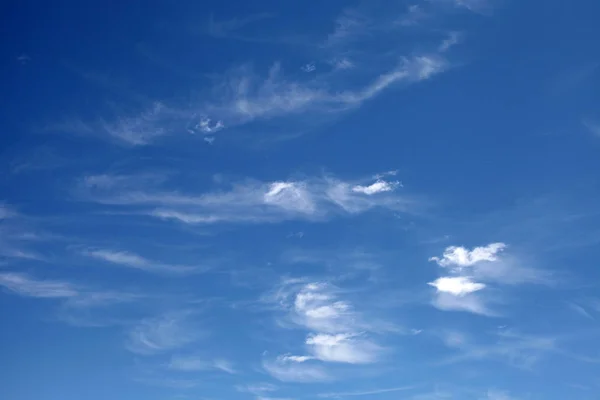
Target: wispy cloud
[(245, 97), (343, 348), (251, 201), (197, 363), (74, 296), (348, 26), (165, 333), (127, 128), (520, 351), (24, 285), (287, 371), (337, 332), (509, 346), (579, 309), (367, 392), (592, 126), (143, 128), (453, 39), (132, 260), (470, 272)]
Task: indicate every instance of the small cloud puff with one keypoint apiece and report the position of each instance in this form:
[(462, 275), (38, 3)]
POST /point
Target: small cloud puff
[(456, 285), (471, 271)]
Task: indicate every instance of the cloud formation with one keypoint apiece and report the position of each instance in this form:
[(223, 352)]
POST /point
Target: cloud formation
[(250, 201), (164, 333), (131, 260), (473, 271), (337, 332)]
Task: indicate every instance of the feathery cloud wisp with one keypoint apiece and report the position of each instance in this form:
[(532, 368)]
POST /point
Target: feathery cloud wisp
[(287, 371), (194, 363), (470, 270), (343, 348), (366, 392), (250, 201), (338, 333), (25, 286), (168, 332), (132, 260)]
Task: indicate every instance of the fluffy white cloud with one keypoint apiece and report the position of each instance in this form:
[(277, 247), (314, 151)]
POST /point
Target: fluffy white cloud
[(458, 256), (456, 285), (337, 332)]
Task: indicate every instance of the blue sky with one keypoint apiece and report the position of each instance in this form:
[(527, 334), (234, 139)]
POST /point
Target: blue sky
[(300, 200)]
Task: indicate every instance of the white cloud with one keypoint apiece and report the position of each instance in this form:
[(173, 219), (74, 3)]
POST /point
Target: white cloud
[(453, 39), (132, 260), (341, 64), (291, 196), (224, 365), (244, 97), (206, 126), (287, 371), (485, 264), (366, 392), (300, 359), (460, 257), (409, 70), (310, 67), (469, 303), (249, 201), (478, 6), (517, 350), (349, 25), (195, 363), (143, 128), (456, 285), (343, 348), (317, 308), (337, 332), (378, 187), (168, 332), (74, 296), (26, 286)]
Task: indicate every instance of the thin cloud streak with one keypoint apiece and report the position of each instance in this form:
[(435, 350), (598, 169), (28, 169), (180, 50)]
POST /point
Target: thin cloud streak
[(313, 199), (164, 333), (367, 392), (135, 261)]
